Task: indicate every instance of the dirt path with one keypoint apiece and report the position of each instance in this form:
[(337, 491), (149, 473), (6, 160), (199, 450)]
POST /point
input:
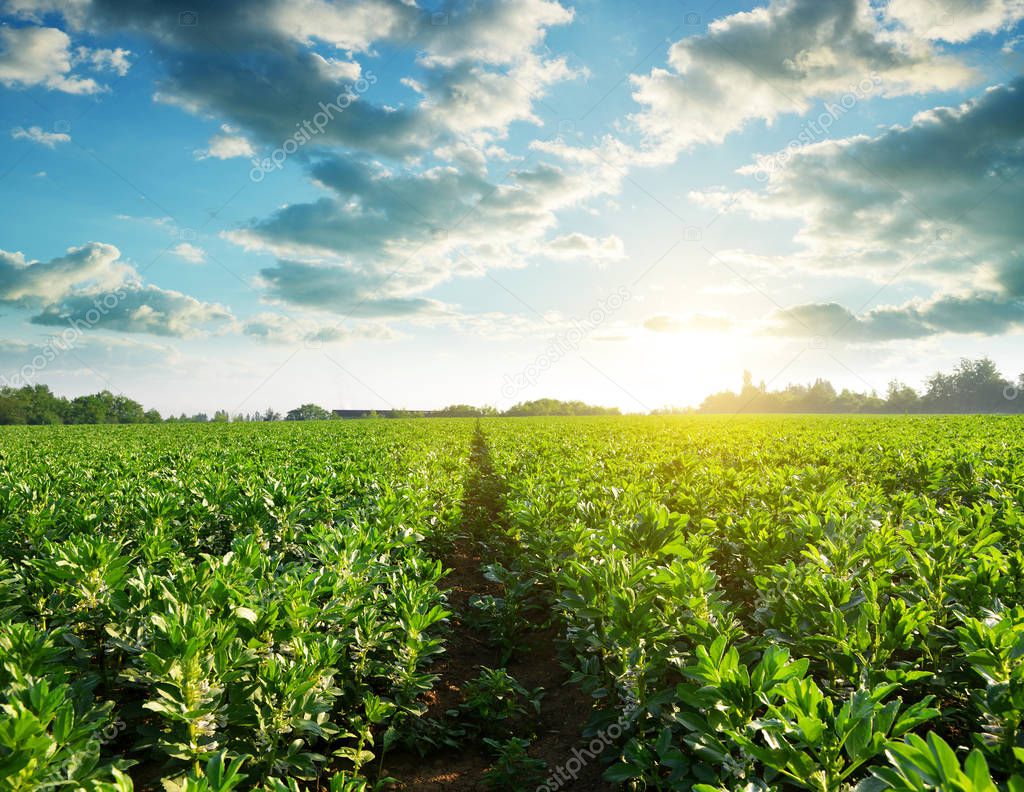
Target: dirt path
[(564, 709)]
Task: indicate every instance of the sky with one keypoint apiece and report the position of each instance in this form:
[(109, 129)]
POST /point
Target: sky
[(396, 205)]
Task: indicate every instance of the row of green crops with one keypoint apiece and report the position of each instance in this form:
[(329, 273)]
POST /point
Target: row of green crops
[(782, 603), (212, 607)]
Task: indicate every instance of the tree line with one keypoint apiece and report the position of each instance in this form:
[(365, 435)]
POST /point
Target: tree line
[(974, 386), (37, 404)]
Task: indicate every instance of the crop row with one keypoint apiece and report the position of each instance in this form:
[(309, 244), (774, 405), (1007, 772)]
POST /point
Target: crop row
[(791, 603), (212, 607)]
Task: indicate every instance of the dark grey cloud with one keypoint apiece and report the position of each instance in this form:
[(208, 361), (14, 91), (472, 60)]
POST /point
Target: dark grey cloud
[(972, 314), (400, 231), (340, 291), (937, 200), (942, 193)]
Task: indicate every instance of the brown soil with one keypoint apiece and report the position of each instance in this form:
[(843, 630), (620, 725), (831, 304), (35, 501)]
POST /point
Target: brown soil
[(564, 709)]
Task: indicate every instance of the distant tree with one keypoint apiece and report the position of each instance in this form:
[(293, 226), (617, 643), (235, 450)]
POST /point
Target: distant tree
[(308, 412), (556, 407), (465, 411), (152, 416), (96, 408), (124, 411), (819, 398), (12, 411), (974, 386), (270, 415), (221, 416), (42, 406), (901, 398)]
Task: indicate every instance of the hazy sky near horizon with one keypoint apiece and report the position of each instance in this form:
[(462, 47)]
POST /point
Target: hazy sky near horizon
[(384, 204)]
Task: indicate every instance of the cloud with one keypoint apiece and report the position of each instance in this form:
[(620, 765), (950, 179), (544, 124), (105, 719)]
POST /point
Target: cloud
[(412, 230), (226, 145), (31, 56), (189, 252), (935, 199), (760, 64), (91, 285), (389, 206), (94, 266), (497, 32), (114, 60), (479, 67), (37, 135), (981, 313), (576, 245), (340, 291), (138, 308), (276, 328), (955, 20)]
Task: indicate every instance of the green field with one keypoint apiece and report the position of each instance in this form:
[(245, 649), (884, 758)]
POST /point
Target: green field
[(709, 603)]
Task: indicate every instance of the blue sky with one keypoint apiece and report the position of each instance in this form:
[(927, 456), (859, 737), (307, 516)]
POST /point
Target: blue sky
[(624, 203)]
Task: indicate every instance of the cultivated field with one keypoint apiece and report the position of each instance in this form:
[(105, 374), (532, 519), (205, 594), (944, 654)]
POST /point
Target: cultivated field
[(639, 603)]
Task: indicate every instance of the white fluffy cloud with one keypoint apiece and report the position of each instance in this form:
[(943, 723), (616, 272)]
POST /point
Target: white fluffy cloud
[(37, 135), (93, 267), (955, 20), (115, 60), (227, 144), (760, 64), (189, 252), (31, 56)]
